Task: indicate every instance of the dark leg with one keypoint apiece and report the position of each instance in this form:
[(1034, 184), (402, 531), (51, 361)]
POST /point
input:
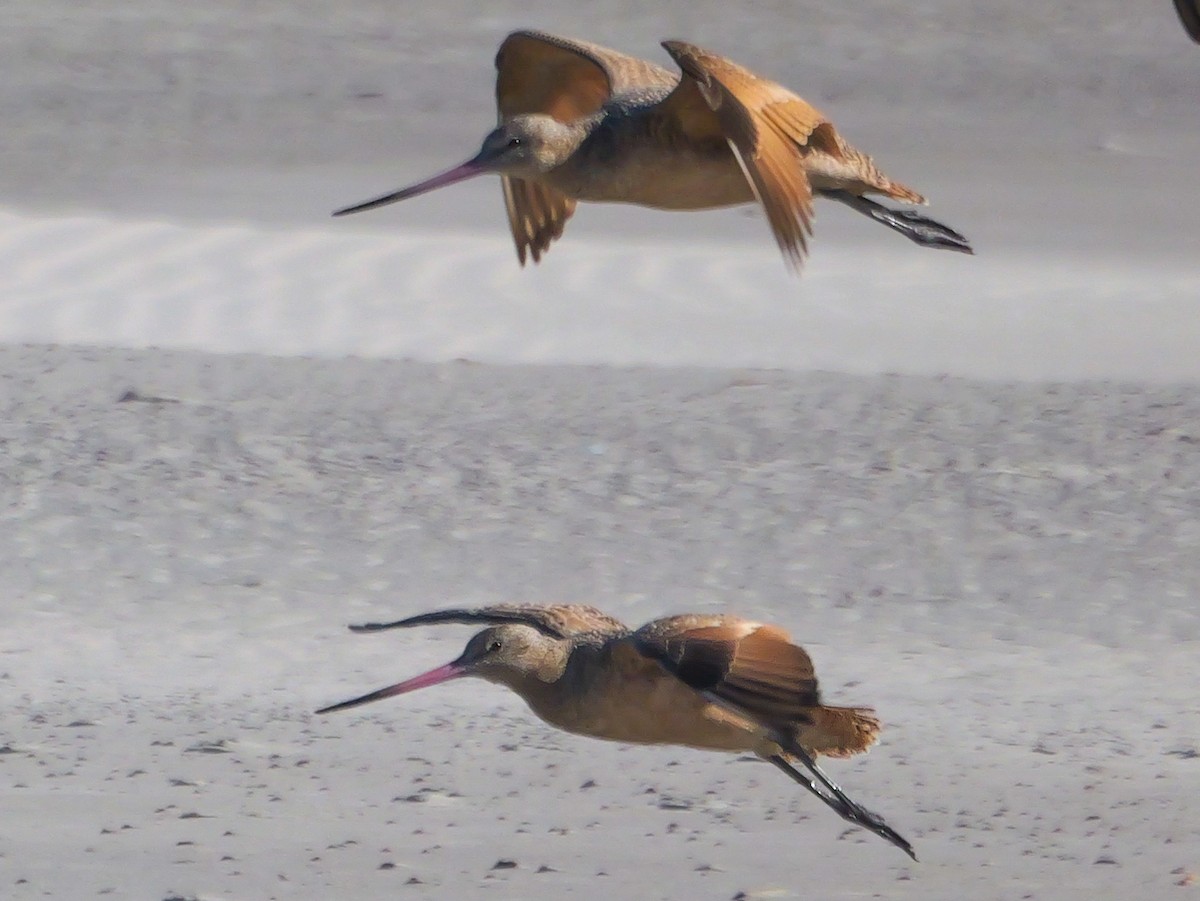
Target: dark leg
[(839, 802), (912, 225)]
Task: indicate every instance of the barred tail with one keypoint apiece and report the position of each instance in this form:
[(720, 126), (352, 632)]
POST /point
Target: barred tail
[(875, 182), (839, 731), (897, 191)]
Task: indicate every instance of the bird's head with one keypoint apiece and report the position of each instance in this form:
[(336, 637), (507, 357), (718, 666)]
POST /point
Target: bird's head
[(524, 146), (510, 654)]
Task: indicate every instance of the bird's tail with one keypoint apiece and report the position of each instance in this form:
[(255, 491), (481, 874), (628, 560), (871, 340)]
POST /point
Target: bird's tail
[(897, 191), (838, 731), (873, 181)]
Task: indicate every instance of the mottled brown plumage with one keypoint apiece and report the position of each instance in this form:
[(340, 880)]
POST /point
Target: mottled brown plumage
[(582, 122), (703, 680)]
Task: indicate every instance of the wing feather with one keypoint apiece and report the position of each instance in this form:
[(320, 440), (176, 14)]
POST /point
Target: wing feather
[(537, 215), (566, 78), (768, 128), (557, 620), (751, 667)]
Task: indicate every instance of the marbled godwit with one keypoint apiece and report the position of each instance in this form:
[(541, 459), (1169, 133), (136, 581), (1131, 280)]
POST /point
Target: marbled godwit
[(580, 122), (1189, 15), (701, 680)]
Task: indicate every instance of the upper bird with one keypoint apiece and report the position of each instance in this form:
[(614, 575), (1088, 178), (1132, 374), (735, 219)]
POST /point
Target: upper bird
[(581, 122), (703, 680)]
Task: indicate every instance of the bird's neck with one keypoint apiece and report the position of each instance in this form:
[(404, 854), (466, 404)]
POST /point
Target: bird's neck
[(557, 682), (569, 137), (565, 689), (538, 677)]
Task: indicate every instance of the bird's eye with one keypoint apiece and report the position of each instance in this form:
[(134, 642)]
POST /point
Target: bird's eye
[(514, 142), (493, 645)]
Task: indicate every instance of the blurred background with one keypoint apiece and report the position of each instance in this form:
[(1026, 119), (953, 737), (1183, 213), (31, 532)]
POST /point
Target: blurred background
[(1061, 139)]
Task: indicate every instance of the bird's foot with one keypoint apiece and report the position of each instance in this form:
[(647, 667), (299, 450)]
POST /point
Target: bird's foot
[(923, 230)]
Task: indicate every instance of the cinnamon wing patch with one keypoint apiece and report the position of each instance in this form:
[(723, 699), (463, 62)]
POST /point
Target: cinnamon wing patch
[(567, 78), (541, 73), (769, 130), (753, 668), (537, 215)]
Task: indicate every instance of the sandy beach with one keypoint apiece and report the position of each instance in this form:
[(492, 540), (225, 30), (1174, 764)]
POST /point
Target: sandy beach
[(1008, 572), (232, 425)]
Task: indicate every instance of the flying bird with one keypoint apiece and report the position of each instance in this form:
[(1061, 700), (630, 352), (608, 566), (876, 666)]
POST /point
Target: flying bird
[(581, 122), (707, 681)]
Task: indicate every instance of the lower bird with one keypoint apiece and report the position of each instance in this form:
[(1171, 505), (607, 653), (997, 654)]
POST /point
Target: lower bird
[(582, 122), (701, 680)]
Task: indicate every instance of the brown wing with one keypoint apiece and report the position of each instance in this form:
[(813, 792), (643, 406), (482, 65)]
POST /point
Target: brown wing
[(569, 80), (768, 127), (537, 215), (565, 78), (750, 667), (557, 620), (1189, 15)]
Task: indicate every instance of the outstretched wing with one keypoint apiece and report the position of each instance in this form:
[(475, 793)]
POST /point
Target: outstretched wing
[(537, 215), (768, 128), (569, 80), (753, 668), (565, 78), (558, 620)]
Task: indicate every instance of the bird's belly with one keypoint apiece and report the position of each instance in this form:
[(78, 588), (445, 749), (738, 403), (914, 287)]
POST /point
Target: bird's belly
[(663, 180), (653, 711)]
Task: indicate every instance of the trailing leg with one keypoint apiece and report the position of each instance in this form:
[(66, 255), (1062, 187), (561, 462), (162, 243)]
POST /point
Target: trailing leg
[(917, 228)]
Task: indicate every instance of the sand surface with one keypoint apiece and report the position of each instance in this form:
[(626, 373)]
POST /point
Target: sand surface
[(1008, 572), (230, 425)]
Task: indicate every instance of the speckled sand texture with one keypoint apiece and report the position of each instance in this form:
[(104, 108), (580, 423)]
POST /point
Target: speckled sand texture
[(1008, 572)]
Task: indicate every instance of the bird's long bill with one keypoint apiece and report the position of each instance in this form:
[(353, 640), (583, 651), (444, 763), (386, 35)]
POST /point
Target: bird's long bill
[(433, 677), (462, 172)]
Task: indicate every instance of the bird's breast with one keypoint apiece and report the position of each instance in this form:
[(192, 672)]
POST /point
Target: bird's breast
[(649, 707)]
